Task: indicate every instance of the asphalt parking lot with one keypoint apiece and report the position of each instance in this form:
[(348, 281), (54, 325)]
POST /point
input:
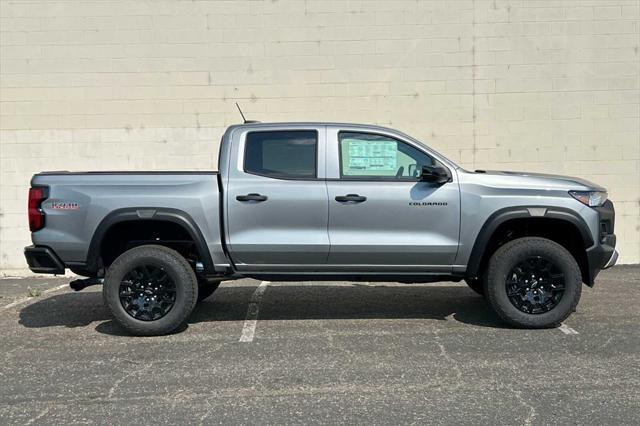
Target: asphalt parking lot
[(321, 353)]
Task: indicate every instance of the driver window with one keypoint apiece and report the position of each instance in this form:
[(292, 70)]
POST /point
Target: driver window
[(366, 155)]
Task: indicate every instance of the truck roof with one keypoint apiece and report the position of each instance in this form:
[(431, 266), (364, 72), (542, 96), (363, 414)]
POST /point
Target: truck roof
[(312, 124)]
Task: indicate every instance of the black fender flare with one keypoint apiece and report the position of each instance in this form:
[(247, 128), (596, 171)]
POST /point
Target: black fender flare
[(160, 214), (521, 212)]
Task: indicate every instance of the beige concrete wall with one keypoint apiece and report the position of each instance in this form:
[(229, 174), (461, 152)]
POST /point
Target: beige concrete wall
[(546, 86)]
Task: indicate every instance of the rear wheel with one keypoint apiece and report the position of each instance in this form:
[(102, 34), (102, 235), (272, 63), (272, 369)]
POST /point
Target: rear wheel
[(150, 290), (533, 283)]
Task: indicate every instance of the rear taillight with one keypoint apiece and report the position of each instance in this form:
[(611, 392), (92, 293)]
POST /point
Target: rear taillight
[(36, 216)]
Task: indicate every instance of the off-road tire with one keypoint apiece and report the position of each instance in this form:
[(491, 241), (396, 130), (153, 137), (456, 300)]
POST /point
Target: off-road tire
[(175, 265), (509, 255)]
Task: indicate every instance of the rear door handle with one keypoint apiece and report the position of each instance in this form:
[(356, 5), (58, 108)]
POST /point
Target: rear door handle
[(353, 198), (252, 197)]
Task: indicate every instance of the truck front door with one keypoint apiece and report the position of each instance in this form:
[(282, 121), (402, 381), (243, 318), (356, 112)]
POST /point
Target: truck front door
[(382, 217), (276, 206)]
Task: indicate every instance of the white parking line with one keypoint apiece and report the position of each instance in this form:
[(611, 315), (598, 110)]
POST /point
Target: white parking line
[(26, 299), (566, 329), (249, 328)]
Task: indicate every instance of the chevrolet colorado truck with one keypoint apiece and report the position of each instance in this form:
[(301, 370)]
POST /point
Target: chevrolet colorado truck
[(321, 201)]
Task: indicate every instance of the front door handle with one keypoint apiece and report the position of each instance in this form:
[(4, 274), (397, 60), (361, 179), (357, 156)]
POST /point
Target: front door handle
[(252, 197), (353, 198)]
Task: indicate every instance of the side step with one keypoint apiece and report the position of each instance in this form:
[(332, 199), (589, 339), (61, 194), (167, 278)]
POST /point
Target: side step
[(81, 284)]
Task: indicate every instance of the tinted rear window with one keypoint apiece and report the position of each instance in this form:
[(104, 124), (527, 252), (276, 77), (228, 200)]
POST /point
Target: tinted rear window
[(283, 154)]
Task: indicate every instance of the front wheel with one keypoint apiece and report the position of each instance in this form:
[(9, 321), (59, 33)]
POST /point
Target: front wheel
[(533, 283), (150, 290)]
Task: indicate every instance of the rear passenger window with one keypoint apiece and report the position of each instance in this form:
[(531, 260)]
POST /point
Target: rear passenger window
[(282, 154)]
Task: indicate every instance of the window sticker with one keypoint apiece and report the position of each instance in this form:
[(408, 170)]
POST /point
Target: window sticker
[(372, 155)]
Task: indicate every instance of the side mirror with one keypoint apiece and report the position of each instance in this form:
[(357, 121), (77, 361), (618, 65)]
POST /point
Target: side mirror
[(434, 174)]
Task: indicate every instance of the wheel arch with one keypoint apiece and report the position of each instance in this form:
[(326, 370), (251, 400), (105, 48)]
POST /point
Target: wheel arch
[(122, 216), (531, 220)]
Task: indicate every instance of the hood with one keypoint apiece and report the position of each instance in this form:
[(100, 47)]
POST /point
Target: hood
[(542, 180)]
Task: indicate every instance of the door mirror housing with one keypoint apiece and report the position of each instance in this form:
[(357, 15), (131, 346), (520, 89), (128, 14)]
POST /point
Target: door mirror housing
[(434, 174)]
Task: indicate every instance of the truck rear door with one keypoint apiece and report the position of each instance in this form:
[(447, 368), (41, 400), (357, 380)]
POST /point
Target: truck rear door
[(276, 206), (381, 216)]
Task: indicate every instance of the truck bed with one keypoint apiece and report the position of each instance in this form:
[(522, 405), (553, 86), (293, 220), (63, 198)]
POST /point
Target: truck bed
[(128, 172), (82, 205)]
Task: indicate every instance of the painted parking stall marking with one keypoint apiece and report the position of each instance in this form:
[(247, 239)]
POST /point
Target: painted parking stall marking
[(567, 330), (32, 299), (249, 328)]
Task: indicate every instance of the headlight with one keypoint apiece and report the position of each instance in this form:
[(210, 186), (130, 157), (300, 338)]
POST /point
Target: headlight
[(590, 198)]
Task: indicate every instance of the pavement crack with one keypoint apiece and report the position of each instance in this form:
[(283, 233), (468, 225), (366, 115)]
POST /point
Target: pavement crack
[(10, 352), (39, 416), (606, 343), (206, 414), (450, 360), (528, 421), (118, 382)]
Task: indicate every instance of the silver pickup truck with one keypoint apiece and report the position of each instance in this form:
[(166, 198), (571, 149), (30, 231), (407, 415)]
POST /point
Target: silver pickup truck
[(321, 201)]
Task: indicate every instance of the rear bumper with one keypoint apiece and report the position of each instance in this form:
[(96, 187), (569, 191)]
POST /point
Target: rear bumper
[(603, 254), (43, 260)]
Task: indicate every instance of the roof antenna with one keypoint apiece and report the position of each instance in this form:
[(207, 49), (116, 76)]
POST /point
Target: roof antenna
[(243, 119)]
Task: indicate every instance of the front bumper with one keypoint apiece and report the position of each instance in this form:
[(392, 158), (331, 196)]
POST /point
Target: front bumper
[(612, 261), (603, 254), (43, 260)]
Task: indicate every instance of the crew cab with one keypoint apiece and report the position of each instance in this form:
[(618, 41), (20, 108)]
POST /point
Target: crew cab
[(321, 201)]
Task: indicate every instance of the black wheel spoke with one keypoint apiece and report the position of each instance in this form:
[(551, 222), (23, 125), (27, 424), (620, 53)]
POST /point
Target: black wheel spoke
[(137, 274), (146, 275), (513, 293), (163, 278)]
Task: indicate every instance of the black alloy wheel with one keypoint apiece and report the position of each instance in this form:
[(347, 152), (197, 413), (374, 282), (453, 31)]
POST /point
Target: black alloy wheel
[(147, 292), (535, 285)]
